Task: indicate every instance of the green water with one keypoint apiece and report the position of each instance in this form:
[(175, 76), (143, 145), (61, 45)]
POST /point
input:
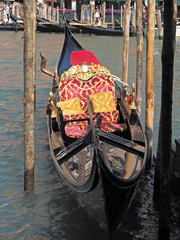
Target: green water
[(50, 212)]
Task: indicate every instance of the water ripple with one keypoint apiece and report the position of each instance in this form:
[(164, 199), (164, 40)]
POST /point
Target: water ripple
[(50, 212)]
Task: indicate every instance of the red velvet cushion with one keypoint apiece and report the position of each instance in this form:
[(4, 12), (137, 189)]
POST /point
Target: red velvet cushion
[(79, 57), (75, 131), (107, 122)]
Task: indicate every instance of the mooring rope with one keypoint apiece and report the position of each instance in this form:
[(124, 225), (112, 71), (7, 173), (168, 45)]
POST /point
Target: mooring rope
[(118, 79)]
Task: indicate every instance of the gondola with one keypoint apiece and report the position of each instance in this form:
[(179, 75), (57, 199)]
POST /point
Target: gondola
[(96, 30), (11, 27), (19, 24), (16, 19), (54, 27), (95, 135)]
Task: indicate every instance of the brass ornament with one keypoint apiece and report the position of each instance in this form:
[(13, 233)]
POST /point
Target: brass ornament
[(78, 71)]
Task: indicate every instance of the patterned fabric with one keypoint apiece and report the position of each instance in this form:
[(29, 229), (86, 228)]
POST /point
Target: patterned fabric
[(102, 102), (72, 87), (106, 121), (84, 72), (106, 117), (79, 128), (116, 127), (109, 117), (75, 131), (70, 107), (101, 91), (78, 117)]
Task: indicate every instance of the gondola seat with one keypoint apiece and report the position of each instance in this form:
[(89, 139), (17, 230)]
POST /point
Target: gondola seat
[(75, 86), (73, 103)]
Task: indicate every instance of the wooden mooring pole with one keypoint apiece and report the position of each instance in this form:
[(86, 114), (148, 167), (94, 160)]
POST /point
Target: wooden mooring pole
[(29, 91), (159, 24), (150, 81), (112, 15), (139, 62), (165, 131), (104, 14), (122, 16), (133, 20), (126, 40)]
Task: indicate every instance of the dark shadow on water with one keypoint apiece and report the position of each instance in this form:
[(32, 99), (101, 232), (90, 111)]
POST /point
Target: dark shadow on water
[(70, 221)]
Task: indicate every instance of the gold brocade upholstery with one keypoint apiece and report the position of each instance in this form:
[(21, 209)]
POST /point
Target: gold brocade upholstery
[(102, 102), (93, 69), (70, 107), (71, 87), (73, 91)]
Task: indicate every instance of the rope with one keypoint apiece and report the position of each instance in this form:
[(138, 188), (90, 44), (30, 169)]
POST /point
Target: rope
[(119, 80)]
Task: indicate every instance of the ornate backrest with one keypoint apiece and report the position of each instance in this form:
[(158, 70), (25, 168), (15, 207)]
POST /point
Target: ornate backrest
[(71, 87), (92, 79)]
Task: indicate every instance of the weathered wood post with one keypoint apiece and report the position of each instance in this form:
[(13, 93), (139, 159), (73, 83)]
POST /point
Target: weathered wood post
[(104, 14), (133, 20), (17, 10), (121, 15), (49, 14), (139, 62), (82, 13), (150, 81), (112, 15), (57, 15), (126, 40), (92, 13), (40, 14), (53, 15), (88, 14), (159, 24), (165, 141), (29, 91), (44, 7), (64, 8)]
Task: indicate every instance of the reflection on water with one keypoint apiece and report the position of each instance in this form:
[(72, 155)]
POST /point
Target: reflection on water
[(50, 212)]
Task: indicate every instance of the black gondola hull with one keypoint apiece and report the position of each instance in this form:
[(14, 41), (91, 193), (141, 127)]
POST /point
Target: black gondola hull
[(96, 30), (53, 27), (11, 27), (107, 188)]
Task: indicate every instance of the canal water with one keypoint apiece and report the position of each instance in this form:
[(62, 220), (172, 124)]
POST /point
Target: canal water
[(51, 213)]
